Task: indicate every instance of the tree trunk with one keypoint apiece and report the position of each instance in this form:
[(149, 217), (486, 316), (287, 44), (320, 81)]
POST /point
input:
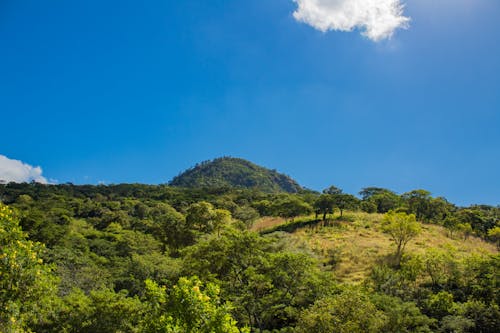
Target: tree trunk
[(399, 254)]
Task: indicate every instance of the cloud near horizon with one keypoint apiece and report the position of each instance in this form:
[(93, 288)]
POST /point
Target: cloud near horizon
[(377, 19), (19, 172)]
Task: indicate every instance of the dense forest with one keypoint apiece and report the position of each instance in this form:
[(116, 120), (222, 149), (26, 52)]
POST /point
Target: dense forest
[(161, 258), (235, 173)]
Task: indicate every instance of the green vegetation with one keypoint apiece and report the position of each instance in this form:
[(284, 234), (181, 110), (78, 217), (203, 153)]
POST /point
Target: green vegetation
[(141, 258), (402, 228), (235, 172), (26, 285)]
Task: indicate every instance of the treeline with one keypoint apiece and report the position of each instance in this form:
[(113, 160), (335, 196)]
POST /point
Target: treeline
[(141, 258), (249, 204)]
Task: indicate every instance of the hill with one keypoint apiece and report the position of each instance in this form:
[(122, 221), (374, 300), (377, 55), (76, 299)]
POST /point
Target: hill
[(235, 172), (354, 244), (136, 254)]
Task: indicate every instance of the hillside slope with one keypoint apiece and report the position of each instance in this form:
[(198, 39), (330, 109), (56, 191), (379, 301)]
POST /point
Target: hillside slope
[(356, 242), (235, 172)]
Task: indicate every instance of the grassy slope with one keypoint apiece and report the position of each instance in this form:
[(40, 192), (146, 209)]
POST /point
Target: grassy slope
[(359, 242)]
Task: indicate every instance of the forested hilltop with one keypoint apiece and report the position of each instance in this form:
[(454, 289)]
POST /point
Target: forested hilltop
[(235, 173), (159, 258)]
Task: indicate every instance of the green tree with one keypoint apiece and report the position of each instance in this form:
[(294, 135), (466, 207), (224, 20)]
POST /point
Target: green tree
[(465, 229), (187, 307), (344, 201), (456, 324), (451, 223), (291, 207), (418, 203), (102, 311), (221, 218), (368, 192), (383, 199), (438, 266), (475, 218), (264, 207), (295, 284), (324, 205), (246, 214), (494, 234), (402, 228), (440, 209), (481, 279), (200, 216), (402, 317), (332, 190), (267, 288), (486, 317), (348, 312), (27, 287), (171, 227), (441, 304)]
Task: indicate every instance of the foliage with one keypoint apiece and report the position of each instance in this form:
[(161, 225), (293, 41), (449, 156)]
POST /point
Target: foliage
[(100, 311), (204, 218), (267, 288), (170, 225), (332, 190), (290, 207), (402, 228), (246, 214), (494, 234), (26, 285), (235, 172), (383, 200), (187, 307), (402, 317), (104, 242), (348, 312), (324, 204), (345, 201)]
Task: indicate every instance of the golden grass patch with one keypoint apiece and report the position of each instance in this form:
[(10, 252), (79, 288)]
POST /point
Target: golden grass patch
[(361, 244)]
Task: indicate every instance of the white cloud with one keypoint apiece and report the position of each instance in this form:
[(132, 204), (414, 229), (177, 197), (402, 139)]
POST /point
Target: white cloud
[(378, 19), (19, 172)]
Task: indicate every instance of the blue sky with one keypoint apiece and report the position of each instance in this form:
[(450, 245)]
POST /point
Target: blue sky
[(128, 91)]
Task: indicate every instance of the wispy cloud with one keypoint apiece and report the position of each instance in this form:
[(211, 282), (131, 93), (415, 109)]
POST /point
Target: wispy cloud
[(377, 19), (19, 172)]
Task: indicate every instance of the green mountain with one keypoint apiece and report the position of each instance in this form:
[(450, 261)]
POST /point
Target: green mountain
[(235, 172)]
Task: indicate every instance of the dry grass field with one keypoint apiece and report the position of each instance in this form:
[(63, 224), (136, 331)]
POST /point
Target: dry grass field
[(356, 242), (267, 222)]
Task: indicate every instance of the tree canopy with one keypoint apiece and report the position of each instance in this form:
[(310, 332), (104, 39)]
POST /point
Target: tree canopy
[(145, 258)]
